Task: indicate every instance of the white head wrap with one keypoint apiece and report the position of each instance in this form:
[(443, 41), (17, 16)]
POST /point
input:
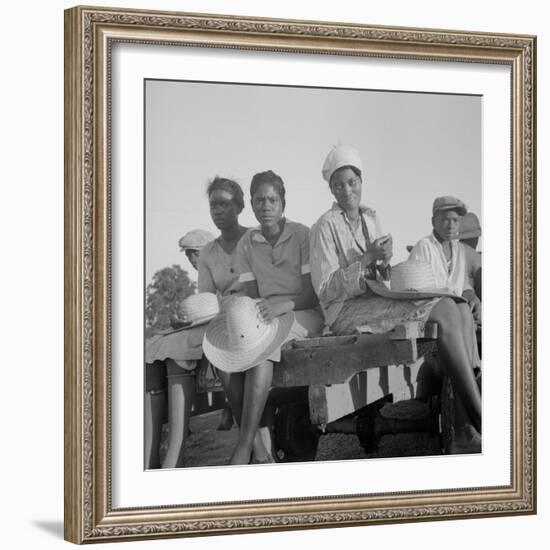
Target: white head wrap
[(341, 155)]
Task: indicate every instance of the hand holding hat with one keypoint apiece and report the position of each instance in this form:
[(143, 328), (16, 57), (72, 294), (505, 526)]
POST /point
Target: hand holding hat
[(240, 338), (195, 310)]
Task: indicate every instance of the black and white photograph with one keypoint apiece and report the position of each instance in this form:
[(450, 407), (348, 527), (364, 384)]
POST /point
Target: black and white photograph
[(312, 274), (300, 261)]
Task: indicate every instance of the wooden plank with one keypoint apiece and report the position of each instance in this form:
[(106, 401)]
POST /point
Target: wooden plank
[(322, 341), (407, 331), (329, 403), (318, 412), (304, 367)]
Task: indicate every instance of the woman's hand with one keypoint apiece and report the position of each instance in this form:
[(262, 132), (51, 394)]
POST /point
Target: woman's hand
[(387, 246), (380, 249), (268, 310)]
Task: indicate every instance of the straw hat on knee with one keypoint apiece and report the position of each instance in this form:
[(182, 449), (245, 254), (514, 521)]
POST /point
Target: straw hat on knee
[(240, 339), (412, 280), (195, 310)]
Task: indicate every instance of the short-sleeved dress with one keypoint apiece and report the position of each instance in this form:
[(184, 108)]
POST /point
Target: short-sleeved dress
[(217, 274), (338, 278), (278, 272)]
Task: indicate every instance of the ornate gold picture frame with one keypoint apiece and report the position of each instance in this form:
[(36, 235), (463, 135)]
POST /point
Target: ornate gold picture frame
[(90, 36)]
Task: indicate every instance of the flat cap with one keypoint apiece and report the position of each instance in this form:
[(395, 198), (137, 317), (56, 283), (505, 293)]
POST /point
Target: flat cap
[(449, 203), (195, 240)]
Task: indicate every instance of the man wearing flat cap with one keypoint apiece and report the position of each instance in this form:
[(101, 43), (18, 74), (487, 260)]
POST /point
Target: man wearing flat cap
[(192, 242), (445, 253)]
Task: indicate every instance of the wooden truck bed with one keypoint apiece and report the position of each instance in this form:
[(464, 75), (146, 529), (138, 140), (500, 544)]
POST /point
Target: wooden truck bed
[(345, 373)]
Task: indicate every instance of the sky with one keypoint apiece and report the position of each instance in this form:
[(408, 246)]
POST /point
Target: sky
[(414, 147)]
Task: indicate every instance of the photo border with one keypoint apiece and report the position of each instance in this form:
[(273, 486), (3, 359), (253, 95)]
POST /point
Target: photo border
[(89, 36)]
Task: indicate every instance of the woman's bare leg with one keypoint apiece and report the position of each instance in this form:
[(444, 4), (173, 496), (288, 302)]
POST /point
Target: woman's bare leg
[(233, 384), (181, 396), (155, 405), (457, 357), (469, 331), (256, 390)]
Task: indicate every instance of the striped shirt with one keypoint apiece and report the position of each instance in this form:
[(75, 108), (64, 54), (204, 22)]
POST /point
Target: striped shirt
[(335, 246)]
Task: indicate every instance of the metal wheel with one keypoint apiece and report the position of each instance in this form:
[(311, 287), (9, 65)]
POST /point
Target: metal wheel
[(295, 437)]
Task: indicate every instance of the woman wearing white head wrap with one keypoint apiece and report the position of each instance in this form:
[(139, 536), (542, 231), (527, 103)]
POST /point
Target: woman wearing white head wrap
[(348, 248)]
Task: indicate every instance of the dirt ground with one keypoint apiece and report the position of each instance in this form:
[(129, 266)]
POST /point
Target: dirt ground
[(206, 446)]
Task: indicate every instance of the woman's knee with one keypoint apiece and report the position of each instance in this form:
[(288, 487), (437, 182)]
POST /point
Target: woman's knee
[(466, 313), (261, 373), (446, 314)]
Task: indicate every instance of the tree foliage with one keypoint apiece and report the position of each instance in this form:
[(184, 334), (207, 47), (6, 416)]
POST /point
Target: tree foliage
[(164, 294)]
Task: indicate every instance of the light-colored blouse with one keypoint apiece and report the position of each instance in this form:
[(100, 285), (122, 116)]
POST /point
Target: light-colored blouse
[(335, 248), (218, 271)]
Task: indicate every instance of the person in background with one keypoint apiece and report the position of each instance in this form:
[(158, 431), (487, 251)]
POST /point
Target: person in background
[(469, 233), (156, 382), (181, 351), (192, 242)]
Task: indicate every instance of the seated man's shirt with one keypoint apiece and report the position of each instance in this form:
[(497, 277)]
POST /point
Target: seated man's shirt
[(454, 277)]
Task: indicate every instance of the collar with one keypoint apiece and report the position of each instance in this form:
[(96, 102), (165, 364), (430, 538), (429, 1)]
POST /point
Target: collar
[(363, 209), (435, 240), (288, 230)]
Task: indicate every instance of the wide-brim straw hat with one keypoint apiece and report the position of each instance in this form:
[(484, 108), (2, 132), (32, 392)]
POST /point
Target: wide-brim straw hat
[(238, 339), (412, 280), (198, 309)]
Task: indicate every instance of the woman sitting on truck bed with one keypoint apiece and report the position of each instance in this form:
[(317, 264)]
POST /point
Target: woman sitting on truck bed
[(273, 262), (348, 250), (182, 350)]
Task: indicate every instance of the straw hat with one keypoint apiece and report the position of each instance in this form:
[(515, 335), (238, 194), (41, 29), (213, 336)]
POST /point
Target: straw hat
[(239, 339), (469, 227), (195, 240), (196, 309), (412, 280)]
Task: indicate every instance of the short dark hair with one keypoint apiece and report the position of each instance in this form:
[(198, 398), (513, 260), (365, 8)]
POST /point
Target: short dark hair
[(271, 178), (231, 186)]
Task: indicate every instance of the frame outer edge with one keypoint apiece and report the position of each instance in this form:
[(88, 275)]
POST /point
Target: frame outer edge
[(87, 499), (534, 270), (73, 371)]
